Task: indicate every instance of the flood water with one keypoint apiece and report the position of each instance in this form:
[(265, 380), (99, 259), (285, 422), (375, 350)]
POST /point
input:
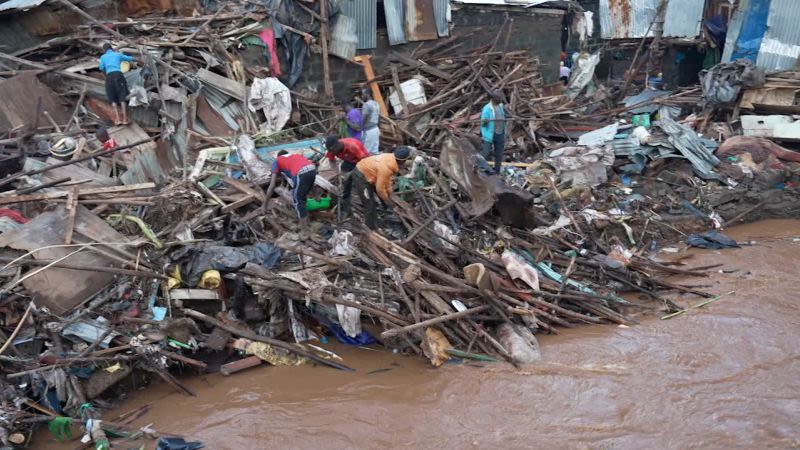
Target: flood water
[(724, 376)]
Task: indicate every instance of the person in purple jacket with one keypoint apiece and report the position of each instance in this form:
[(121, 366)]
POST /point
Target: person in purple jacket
[(353, 119)]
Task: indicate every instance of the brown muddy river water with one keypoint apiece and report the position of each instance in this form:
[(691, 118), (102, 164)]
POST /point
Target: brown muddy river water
[(724, 376)]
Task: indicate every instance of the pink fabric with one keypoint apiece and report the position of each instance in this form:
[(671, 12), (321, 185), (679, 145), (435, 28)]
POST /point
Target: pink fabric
[(13, 215), (268, 37)]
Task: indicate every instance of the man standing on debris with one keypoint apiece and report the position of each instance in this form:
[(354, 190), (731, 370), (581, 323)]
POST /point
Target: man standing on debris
[(370, 115), (350, 151), (493, 129), (301, 173), (374, 175), (116, 85), (353, 119)]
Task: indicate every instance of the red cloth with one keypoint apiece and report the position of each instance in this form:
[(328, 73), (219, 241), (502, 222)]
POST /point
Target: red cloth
[(109, 144), (268, 37), (353, 152), (289, 165), (13, 215)]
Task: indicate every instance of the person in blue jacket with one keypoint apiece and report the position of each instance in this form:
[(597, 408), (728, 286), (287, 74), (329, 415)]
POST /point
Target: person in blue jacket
[(116, 85), (493, 129)]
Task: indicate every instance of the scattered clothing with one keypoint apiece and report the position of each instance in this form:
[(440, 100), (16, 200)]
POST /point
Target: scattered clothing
[(713, 240), (354, 117), (268, 37)]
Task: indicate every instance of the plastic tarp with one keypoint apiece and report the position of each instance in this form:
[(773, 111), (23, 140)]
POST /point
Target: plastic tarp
[(196, 260), (274, 99), (753, 27)]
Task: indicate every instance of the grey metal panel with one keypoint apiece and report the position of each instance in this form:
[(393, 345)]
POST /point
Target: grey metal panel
[(622, 19), (733, 30), (344, 39), (365, 13), (440, 15), (394, 21), (781, 44), (20, 4), (682, 18)]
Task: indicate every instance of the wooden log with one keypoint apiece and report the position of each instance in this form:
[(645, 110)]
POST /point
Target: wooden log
[(426, 323), (237, 366), (255, 337)]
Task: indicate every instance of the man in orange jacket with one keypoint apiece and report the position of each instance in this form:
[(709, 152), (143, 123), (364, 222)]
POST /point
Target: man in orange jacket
[(373, 176)]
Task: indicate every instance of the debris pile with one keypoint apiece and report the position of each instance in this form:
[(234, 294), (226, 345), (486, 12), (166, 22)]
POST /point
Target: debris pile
[(140, 252)]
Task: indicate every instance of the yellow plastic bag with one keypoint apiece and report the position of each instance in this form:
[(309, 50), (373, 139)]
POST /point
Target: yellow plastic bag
[(211, 279)]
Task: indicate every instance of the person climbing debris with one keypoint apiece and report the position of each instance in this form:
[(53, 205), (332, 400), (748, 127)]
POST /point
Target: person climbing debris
[(300, 173), (374, 175), (116, 85), (350, 151)]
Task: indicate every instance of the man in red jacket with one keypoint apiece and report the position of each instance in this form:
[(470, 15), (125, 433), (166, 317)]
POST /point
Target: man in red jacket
[(350, 151)]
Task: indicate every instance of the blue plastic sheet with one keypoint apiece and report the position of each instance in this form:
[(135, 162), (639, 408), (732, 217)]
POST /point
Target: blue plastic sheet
[(754, 26)]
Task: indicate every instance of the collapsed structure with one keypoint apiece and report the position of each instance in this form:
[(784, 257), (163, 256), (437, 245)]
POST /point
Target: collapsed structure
[(155, 257)]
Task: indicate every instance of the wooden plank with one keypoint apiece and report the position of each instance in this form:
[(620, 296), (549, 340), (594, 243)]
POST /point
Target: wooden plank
[(405, 59), (246, 200), (244, 188), (82, 192), (72, 209), (193, 294)]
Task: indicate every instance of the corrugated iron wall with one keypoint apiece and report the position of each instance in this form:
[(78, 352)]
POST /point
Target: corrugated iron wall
[(395, 15), (683, 17), (623, 19), (626, 19), (365, 13), (440, 15), (780, 46)]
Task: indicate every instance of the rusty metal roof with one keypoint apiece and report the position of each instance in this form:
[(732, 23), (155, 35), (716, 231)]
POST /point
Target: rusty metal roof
[(626, 19)]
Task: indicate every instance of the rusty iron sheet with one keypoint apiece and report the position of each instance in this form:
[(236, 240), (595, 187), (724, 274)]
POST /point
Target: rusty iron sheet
[(20, 96), (420, 23), (212, 121), (60, 289)]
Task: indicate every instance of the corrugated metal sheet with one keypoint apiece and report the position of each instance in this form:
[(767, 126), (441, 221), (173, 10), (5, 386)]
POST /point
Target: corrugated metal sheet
[(440, 8), (781, 44), (344, 40), (365, 13), (683, 18), (620, 19), (394, 12), (19, 4), (734, 28)]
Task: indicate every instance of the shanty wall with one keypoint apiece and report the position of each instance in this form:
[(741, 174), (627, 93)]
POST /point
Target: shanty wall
[(537, 30)]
